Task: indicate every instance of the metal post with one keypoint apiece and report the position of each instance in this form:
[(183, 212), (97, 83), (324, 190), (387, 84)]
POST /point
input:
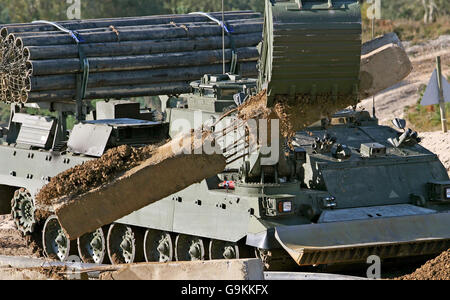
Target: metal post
[(441, 94)]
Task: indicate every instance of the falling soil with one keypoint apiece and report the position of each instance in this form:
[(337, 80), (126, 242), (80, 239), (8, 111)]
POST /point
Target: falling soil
[(296, 113), (435, 269)]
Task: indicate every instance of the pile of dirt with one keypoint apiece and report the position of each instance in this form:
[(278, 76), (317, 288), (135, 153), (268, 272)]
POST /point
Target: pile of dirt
[(435, 269), (255, 107), (21, 274), (52, 273), (94, 173)]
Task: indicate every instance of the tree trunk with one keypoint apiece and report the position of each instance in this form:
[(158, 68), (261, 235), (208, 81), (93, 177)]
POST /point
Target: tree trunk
[(432, 11), (425, 6)]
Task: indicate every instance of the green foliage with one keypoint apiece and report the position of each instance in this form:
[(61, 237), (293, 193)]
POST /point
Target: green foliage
[(426, 118), (410, 9), (4, 114), (29, 10), (186, 6)]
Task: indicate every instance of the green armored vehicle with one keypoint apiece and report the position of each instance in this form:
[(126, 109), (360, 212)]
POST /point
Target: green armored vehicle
[(340, 190)]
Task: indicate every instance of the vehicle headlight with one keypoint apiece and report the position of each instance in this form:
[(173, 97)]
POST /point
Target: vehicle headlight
[(439, 191), (279, 206), (285, 206), (329, 202)]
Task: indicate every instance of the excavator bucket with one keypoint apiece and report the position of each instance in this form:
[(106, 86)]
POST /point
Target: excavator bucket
[(355, 241), (311, 49)]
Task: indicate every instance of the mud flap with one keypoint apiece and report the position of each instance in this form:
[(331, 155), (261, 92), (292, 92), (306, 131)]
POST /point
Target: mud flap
[(355, 241)]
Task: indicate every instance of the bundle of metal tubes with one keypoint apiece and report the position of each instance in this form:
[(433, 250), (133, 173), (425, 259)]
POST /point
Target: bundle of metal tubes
[(127, 57)]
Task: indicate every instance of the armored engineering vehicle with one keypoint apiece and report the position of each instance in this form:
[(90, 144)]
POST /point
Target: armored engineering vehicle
[(342, 189)]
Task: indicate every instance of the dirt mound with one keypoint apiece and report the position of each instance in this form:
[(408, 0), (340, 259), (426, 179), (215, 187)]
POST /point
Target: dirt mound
[(93, 173), (435, 269)]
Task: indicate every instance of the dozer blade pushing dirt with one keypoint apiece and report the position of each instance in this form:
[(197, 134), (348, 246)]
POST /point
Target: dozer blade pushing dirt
[(355, 241), (165, 173)]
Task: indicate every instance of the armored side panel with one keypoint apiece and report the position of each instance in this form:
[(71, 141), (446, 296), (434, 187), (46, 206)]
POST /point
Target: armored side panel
[(32, 169), (310, 47), (35, 131)]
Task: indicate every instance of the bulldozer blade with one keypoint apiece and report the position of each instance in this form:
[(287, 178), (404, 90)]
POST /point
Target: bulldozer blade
[(383, 68), (165, 173), (355, 241)]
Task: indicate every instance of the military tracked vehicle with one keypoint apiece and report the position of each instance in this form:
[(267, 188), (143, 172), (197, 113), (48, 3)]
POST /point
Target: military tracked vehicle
[(343, 189)]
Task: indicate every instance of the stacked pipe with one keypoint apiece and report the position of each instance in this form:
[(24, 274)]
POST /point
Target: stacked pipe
[(128, 57)]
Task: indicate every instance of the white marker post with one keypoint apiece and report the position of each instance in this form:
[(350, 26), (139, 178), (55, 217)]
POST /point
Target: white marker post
[(441, 94), (438, 92)]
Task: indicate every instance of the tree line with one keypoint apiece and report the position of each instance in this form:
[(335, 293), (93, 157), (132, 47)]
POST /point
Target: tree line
[(15, 11)]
